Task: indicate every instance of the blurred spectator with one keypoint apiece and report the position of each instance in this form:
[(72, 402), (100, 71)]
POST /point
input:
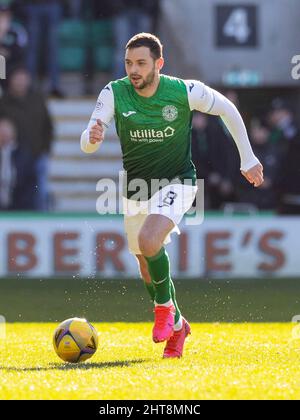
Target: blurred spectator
[(13, 39), (217, 160), (289, 185), (28, 110), (264, 197), (104, 9), (288, 178), (281, 117), (130, 17), (43, 18), (282, 123), (200, 144), (216, 157), (223, 164), (75, 8), (199, 148), (285, 134), (7, 163)]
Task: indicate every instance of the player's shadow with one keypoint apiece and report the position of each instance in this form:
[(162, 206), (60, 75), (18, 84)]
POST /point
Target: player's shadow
[(75, 366)]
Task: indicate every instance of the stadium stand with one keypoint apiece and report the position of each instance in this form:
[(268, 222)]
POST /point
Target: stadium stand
[(80, 40), (74, 175)]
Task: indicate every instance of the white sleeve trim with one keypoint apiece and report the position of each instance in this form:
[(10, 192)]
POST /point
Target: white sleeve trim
[(205, 99), (104, 111)]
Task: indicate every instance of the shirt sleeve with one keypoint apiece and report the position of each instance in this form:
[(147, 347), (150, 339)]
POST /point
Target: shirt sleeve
[(205, 99), (104, 111)]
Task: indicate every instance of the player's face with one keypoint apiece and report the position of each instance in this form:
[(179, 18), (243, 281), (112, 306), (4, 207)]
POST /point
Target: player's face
[(141, 68)]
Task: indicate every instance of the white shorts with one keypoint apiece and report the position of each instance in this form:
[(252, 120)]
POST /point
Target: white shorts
[(171, 201)]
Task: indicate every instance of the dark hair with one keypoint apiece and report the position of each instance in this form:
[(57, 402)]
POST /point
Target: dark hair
[(146, 40)]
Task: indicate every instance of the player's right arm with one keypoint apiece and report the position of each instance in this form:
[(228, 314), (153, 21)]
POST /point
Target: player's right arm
[(93, 135)]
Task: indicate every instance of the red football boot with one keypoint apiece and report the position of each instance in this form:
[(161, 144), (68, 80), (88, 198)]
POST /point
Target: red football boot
[(174, 347), (164, 323)]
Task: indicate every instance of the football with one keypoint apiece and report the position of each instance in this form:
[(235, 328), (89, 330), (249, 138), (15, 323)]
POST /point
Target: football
[(75, 340)]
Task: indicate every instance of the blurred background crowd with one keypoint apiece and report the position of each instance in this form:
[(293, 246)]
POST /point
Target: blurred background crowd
[(43, 40)]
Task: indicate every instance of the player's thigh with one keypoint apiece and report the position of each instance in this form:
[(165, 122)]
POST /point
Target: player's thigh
[(143, 267), (133, 225), (153, 233)]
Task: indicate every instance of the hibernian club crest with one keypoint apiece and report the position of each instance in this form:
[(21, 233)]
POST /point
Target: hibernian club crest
[(170, 113)]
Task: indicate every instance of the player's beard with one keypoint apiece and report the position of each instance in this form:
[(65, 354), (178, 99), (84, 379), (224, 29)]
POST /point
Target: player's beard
[(149, 79)]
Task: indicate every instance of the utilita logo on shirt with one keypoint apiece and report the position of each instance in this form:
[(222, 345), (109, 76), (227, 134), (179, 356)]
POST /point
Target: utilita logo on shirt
[(151, 135)]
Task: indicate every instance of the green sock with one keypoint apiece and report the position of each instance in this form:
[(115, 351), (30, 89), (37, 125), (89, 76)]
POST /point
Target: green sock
[(173, 293), (159, 269), (150, 289)]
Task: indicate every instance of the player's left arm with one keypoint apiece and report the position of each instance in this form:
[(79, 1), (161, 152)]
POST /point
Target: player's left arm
[(205, 99)]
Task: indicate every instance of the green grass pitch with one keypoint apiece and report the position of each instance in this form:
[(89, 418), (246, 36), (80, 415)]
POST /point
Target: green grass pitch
[(242, 344), (221, 361)]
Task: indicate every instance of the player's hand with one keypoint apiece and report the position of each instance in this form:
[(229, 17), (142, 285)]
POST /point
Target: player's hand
[(96, 132), (255, 175)]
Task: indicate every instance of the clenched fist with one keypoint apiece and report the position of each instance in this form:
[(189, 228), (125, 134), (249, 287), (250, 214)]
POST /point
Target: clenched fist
[(96, 133), (255, 175)]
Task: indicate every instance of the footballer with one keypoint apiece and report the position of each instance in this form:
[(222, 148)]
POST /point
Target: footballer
[(153, 114)]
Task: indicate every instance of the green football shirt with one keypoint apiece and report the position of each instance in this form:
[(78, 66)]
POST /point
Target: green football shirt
[(155, 133)]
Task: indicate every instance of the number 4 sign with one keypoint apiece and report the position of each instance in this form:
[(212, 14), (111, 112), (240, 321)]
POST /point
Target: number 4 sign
[(236, 26)]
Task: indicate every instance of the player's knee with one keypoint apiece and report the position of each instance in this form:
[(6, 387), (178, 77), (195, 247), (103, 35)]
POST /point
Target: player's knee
[(148, 244)]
